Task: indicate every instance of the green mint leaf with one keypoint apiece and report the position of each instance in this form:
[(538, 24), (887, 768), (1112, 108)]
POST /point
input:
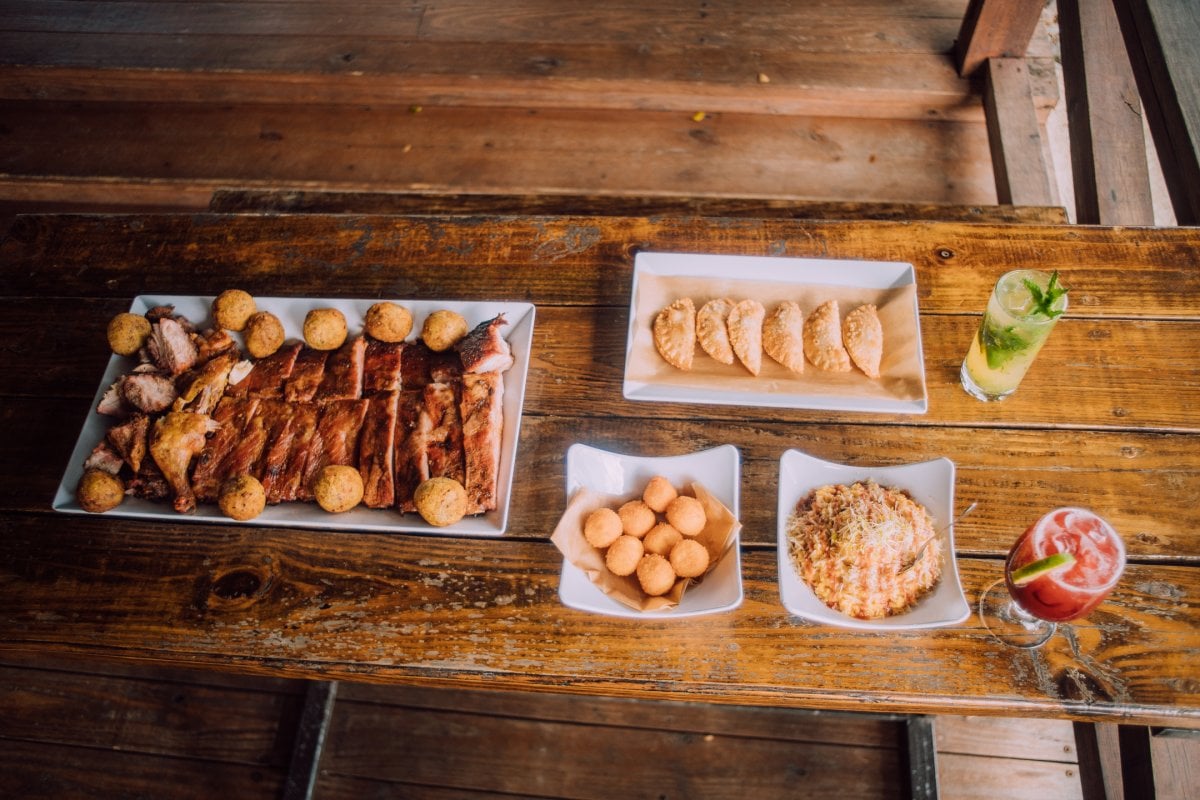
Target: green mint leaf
[(1044, 301), (1000, 344)]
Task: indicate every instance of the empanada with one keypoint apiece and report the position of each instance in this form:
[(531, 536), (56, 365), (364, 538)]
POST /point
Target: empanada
[(745, 326), (783, 335), (863, 336), (823, 338), (711, 330), (675, 333)]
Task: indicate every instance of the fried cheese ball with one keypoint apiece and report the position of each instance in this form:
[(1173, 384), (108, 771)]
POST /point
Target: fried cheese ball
[(338, 488), (661, 538), (242, 497), (623, 555), (659, 493), (655, 575), (263, 334), (687, 515), (637, 518), (232, 309), (99, 491), (441, 501), (443, 329), (602, 527), (325, 329), (127, 333), (689, 558), (388, 322)]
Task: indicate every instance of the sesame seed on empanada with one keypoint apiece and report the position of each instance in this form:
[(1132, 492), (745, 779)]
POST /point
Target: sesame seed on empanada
[(783, 335), (711, 330), (863, 335), (745, 325), (823, 338), (675, 333)]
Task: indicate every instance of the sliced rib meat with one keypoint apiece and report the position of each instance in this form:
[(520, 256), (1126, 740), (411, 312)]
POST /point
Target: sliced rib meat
[(306, 376), (278, 423), (444, 444), (266, 379), (376, 451), (411, 461), (484, 349), (232, 417), (420, 366), (381, 367), (304, 431), (483, 427), (336, 440), (344, 372)]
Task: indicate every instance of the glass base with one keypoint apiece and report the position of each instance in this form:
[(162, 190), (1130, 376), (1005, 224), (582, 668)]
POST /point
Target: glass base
[(1010, 623), (976, 391)]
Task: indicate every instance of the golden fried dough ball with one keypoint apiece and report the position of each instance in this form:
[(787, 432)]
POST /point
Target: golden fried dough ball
[(623, 555), (263, 333), (388, 322), (443, 329), (232, 309), (687, 515), (661, 538), (659, 493), (602, 527), (325, 329), (338, 488), (127, 333), (637, 518), (242, 497), (689, 558), (441, 501), (99, 491), (655, 575)]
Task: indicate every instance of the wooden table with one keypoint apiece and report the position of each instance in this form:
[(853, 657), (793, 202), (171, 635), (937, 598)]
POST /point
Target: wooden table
[(1109, 418)]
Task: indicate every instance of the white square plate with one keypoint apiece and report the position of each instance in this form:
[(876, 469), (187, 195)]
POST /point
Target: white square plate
[(291, 312), (931, 483), (718, 470), (890, 285)]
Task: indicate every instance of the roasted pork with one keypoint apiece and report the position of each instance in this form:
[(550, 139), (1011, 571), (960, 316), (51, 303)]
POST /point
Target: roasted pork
[(484, 349), (266, 379), (170, 347), (306, 376), (376, 451), (343, 378), (482, 430), (443, 444), (381, 367)]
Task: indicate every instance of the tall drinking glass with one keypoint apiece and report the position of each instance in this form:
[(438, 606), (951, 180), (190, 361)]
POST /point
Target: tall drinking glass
[(1060, 569), (1023, 308)]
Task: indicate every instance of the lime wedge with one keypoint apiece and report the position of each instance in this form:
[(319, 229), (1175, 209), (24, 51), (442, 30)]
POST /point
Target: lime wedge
[(1042, 566)]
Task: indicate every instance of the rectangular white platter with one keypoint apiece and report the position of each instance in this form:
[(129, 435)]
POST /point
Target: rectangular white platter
[(900, 390), (291, 312)]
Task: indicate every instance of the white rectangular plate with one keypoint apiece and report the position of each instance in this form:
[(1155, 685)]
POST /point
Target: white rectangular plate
[(930, 483), (891, 285), (291, 312), (718, 470)]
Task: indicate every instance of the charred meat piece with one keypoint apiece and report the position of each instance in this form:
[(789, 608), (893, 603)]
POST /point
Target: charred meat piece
[(484, 349), (420, 366), (303, 433), (148, 483), (482, 426), (266, 379), (344, 372), (213, 343), (232, 416), (130, 439), (171, 347), (148, 392), (376, 451), (244, 456), (336, 440), (178, 437), (206, 385), (279, 423), (411, 461), (444, 445), (104, 457), (306, 376), (381, 367)]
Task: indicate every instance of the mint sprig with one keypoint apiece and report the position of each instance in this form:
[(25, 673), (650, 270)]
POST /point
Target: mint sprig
[(1044, 300)]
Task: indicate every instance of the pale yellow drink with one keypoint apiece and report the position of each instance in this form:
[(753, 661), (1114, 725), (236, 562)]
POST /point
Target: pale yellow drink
[(1021, 312)]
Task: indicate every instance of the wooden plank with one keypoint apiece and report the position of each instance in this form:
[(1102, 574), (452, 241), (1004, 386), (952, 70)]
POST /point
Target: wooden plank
[(476, 752), (1108, 147), (1014, 135), (1099, 761), (236, 201), (921, 758), (310, 739), (1006, 737), (1161, 37), (978, 778), (1176, 765), (995, 29), (29, 769)]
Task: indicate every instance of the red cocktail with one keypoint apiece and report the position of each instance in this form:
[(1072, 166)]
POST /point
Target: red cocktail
[(1059, 569)]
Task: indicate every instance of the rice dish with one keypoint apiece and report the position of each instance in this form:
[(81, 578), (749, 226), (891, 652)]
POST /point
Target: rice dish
[(853, 545)]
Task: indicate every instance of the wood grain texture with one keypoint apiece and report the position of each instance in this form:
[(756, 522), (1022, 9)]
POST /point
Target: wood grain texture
[(995, 29), (978, 778), (1001, 737), (1014, 134)]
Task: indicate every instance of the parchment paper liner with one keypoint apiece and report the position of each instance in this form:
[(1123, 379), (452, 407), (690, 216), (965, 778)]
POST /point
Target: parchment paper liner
[(718, 536), (901, 374)]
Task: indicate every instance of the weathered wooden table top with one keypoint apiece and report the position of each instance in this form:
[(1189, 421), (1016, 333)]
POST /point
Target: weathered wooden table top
[(1109, 418)]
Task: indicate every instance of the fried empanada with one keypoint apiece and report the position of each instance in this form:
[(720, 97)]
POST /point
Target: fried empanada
[(711, 330), (675, 333), (863, 336), (783, 335), (823, 338), (745, 325)]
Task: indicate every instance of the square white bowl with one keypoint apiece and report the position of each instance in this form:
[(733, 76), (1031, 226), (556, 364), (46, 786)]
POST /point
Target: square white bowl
[(718, 470), (931, 483)]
